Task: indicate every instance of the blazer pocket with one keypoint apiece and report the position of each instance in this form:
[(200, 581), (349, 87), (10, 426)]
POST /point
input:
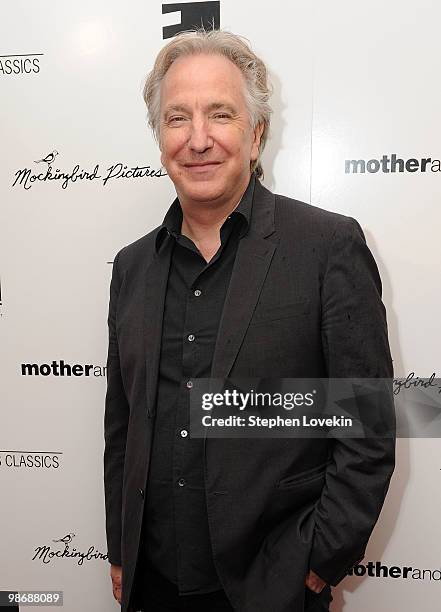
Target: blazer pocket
[(283, 311), (295, 480)]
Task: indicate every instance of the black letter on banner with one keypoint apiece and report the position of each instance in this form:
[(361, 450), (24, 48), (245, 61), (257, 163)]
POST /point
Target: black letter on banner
[(193, 15)]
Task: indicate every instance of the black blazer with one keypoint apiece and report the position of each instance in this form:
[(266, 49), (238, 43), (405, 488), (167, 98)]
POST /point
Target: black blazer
[(304, 300)]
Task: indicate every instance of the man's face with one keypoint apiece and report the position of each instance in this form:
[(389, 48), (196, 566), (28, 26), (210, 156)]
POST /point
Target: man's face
[(206, 138)]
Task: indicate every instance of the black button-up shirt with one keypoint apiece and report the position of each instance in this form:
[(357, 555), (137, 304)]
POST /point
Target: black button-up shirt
[(176, 540)]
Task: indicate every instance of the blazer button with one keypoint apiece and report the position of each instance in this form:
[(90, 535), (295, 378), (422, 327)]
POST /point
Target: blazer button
[(141, 492)]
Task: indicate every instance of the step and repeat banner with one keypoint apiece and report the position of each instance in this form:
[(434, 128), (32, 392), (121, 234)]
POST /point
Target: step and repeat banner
[(355, 130)]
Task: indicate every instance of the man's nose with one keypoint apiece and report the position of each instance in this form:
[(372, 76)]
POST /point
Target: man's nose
[(200, 139)]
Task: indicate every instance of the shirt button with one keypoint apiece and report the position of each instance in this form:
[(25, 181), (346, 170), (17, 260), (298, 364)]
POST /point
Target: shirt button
[(189, 384), (184, 433), (182, 482), (141, 492), (197, 292), (191, 338)]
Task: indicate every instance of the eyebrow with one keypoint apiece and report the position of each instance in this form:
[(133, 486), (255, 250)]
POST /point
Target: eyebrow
[(213, 106)]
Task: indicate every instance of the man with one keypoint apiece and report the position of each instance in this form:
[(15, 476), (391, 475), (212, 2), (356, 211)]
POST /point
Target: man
[(236, 282)]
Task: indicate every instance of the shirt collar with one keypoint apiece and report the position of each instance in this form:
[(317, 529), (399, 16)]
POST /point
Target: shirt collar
[(171, 225)]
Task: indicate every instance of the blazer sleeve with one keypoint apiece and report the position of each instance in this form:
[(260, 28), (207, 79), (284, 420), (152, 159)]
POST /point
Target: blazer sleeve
[(355, 344), (116, 418)]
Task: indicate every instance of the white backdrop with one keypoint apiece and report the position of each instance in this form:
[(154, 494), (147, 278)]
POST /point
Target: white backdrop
[(352, 81)]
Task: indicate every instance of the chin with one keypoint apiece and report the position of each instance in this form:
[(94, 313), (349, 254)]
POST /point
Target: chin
[(202, 190), (203, 195)]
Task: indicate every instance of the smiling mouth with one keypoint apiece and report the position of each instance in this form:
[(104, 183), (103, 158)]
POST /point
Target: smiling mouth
[(202, 165)]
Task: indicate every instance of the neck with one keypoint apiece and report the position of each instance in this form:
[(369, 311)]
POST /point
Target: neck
[(201, 221)]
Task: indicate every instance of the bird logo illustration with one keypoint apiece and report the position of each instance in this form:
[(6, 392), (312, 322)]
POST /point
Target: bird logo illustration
[(66, 540), (49, 159)]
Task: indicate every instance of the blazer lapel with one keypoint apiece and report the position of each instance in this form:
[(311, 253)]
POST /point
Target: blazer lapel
[(156, 286), (250, 268)]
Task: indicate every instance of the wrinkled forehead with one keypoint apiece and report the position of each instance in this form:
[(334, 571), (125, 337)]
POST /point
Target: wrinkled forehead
[(204, 79)]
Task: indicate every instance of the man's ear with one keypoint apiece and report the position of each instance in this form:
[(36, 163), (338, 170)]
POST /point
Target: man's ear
[(258, 131)]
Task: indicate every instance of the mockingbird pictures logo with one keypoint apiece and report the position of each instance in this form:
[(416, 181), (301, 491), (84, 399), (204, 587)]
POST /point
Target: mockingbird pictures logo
[(27, 177), (63, 549)]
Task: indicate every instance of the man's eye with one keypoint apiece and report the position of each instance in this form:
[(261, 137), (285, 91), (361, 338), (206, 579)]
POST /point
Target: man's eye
[(176, 119), (222, 116)]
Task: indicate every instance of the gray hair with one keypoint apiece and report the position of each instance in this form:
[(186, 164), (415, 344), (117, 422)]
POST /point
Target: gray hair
[(237, 49)]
